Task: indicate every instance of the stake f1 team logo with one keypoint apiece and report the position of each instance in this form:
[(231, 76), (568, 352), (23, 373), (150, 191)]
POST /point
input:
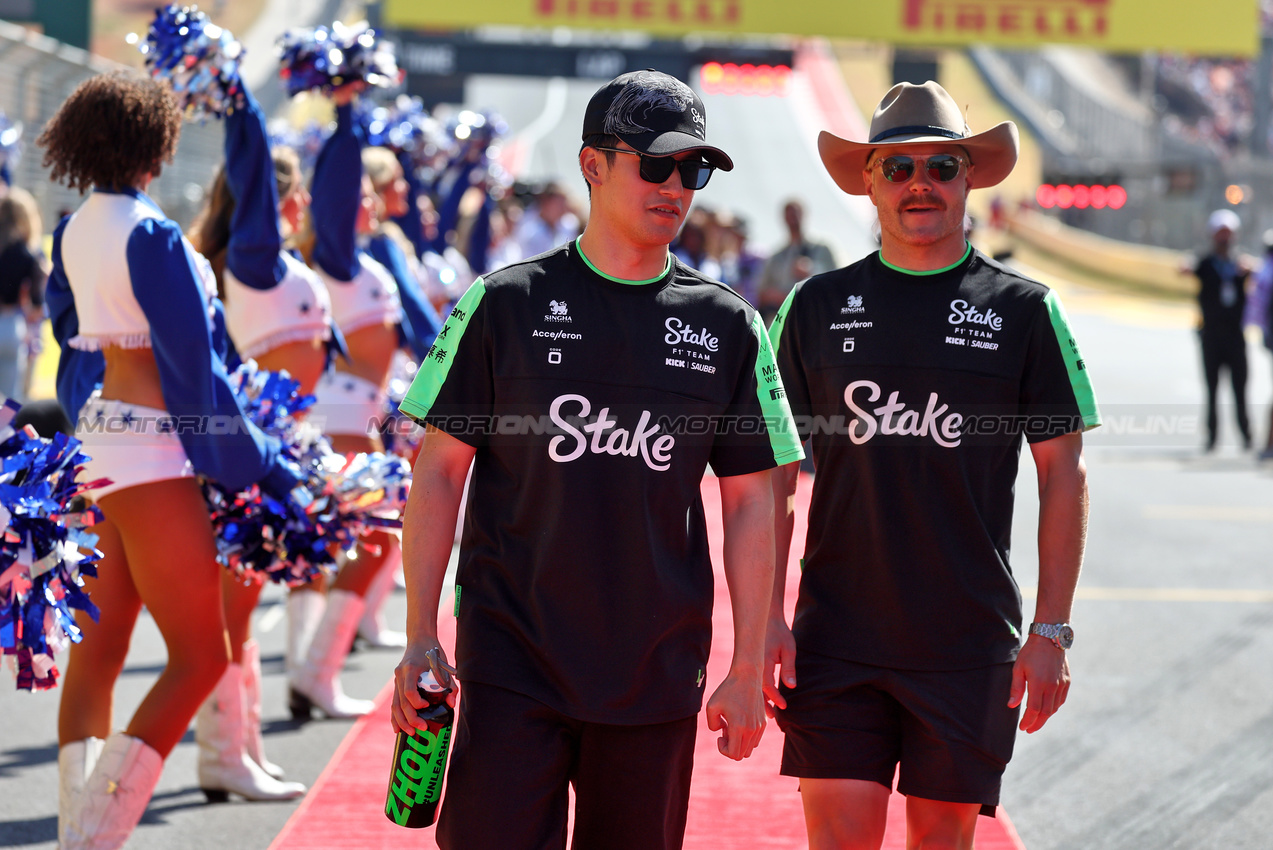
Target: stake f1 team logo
[(895, 417), (607, 438), (679, 333), (961, 311)]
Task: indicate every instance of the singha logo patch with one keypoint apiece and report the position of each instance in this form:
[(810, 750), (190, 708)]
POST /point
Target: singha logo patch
[(557, 312)]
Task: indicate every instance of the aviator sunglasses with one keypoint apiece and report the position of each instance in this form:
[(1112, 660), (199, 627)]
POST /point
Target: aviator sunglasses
[(941, 168), (656, 169)]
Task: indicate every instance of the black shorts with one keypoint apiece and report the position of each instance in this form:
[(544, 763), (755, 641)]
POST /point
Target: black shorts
[(513, 757), (951, 731)]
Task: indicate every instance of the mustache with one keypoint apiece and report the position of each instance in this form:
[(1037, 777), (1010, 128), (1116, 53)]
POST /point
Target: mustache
[(914, 205)]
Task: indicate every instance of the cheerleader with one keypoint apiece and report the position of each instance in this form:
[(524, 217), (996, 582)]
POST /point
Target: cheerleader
[(278, 314), (390, 247), (367, 308), (134, 309)]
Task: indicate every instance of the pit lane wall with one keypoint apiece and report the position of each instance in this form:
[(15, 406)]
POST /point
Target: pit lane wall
[(1142, 267)]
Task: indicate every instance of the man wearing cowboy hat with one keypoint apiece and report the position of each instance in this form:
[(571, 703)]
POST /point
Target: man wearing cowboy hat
[(915, 372)]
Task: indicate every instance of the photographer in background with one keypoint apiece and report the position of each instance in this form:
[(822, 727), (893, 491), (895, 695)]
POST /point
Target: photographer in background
[(799, 259)]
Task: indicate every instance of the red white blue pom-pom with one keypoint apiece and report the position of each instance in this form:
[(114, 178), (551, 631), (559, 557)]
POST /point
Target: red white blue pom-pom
[(326, 58), (340, 497), (197, 58), (44, 551), (251, 527), (401, 434)]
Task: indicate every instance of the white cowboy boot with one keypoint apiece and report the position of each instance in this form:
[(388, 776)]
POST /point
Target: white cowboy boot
[(317, 680), (304, 612), (115, 796), (75, 762), (224, 764), (252, 739), (371, 626)]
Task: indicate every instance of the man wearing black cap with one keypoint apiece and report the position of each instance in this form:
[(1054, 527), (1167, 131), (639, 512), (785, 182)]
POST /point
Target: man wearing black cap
[(590, 387), (915, 372)]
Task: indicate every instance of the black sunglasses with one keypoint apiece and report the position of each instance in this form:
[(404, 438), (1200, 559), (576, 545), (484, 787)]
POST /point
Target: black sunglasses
[(941, 168), (656, 169)]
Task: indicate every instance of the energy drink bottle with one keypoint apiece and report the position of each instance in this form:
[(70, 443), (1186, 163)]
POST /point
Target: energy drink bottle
[(419, 760)]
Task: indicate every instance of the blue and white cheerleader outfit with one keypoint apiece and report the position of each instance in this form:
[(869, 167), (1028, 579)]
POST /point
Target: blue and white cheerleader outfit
[(271, 297), (124, 275)]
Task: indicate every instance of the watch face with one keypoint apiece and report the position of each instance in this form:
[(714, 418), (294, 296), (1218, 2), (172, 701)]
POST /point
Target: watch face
[(1065, 637)]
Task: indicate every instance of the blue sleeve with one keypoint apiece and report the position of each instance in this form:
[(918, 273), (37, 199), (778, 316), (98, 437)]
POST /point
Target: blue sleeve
[(221, 342), (218, 440), (420, 323), (409, 221), (253, 253), (480, 237), (336, 189), (78, 372), (449, 213)]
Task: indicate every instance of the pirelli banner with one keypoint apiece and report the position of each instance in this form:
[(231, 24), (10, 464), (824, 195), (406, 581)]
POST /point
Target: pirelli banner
[(1217, 27)]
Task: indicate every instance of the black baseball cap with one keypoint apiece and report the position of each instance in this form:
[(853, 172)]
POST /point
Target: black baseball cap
[(655, 113)]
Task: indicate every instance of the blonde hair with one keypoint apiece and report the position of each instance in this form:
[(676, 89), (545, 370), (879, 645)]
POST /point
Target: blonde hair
[(381, 166)]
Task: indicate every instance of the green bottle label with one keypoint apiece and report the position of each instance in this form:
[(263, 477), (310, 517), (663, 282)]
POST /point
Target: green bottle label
[(417, 777)]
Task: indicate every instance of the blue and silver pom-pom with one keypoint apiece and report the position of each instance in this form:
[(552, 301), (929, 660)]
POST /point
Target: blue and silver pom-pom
[(199, 60), (251, 527), (10, 147), (401, 434), (45, 550), (356, 493), (326, 58), (339, 498), (404, 125)]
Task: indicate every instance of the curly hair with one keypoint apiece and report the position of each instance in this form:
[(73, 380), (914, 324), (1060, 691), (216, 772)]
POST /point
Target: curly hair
[(112, 130)]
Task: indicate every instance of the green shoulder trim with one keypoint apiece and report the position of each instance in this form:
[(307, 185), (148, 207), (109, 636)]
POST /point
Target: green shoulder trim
[(667, 267), (437, 363), (967, 251), (783, 438), (780, 318), (1079, 379)]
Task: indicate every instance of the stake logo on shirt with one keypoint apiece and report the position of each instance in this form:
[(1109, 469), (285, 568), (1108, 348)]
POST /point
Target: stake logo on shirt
[(895, 417), (961, 311), (657, 454), (679, 333)]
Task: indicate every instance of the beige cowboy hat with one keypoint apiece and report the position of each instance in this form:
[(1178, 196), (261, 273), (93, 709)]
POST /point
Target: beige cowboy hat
[(916, 115)]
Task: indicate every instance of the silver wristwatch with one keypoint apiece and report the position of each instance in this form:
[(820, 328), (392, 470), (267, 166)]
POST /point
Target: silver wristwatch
[(1059, 633)]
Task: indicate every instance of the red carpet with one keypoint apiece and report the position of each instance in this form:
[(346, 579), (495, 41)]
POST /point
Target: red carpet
[(732, 805)]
